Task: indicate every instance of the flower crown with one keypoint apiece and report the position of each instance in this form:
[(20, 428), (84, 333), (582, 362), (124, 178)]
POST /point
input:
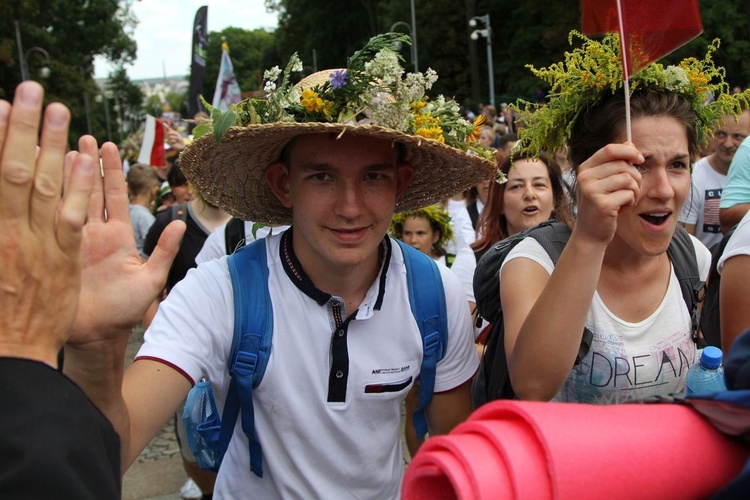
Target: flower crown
[(591, 72), (372, 90), (433, 213)]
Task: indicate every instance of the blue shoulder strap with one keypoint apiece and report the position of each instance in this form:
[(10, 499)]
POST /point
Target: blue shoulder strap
[(251, 344), (427, 300)]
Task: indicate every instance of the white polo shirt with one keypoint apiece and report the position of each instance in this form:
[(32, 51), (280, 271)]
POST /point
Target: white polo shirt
[(324, 434)]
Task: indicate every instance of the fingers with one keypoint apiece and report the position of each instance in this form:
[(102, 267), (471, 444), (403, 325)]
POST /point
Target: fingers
[(87, 145), (49, 172), (115, 188), (18, 156), (625, 152), (67, 168), (72, 214), (4, 116), (166, 249)]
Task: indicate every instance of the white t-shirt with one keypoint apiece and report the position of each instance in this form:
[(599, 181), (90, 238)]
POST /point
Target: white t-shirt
[(702, 207), (464, 266), (141, 219), (738, 244), (463, 232), (312, 447), (215, 245), (629, 361)]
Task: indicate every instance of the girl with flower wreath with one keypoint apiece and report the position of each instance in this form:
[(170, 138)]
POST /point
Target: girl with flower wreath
[(427, 229), (614, 276)]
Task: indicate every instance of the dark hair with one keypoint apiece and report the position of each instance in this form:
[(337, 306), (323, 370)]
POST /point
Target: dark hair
[(175, 177), (605, 123), (492, 222)]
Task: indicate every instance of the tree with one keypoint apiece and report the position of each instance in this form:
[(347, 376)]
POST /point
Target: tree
[(72, 32)]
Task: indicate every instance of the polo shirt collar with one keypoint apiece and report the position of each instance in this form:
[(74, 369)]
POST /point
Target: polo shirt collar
[(302, 281)]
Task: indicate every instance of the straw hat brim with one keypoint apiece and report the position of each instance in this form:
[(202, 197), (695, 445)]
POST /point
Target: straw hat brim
[(229, 175)]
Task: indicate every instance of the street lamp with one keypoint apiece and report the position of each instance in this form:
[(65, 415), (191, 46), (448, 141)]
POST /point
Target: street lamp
[(23, 58), (486, 33), (413, 47)]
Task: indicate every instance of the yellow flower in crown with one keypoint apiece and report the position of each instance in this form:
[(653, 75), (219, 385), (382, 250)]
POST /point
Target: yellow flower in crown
[(476, 132), (313, 103), (426, 125)]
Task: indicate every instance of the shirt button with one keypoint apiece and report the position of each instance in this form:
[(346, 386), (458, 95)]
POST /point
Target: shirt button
[(335, 303), (339, 374), (341, 333)]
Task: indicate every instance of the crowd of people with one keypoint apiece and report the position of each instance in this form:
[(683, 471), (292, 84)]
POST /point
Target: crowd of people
[(323, 192)]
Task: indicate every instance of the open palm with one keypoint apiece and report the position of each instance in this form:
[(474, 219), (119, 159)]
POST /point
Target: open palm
[(116, 286)]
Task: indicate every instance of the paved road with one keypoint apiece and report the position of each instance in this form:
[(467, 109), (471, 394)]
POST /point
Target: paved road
[(157, 474)]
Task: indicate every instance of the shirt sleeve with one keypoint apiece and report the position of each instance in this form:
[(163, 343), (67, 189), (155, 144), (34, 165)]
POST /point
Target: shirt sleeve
[(738, 244), (737, 188), (192, 331)]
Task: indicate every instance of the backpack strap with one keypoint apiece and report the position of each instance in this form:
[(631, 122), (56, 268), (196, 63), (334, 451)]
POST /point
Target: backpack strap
[(427, 300), (234, 235), (251, 344), (710, 317), (681, 252), (553, 236), (179, 212)]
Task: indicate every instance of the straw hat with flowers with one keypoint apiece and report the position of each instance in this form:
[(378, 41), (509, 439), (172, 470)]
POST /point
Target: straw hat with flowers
[(371, 97)]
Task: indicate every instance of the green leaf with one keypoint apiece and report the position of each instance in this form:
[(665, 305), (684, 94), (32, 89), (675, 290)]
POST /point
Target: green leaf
[(223, 122), (206, 105), (256, 226), (200, 131)]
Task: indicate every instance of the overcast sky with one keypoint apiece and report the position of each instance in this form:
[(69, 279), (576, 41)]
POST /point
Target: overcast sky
[(164, 32)]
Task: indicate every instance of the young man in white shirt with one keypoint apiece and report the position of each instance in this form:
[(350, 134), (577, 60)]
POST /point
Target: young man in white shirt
[(700, 214), (346, 349)]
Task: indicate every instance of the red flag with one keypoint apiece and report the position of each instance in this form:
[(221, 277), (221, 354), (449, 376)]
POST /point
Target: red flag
[(152, 149), (650, 28)]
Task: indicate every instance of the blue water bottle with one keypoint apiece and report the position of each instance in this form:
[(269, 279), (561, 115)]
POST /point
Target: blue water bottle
[(707, 375)]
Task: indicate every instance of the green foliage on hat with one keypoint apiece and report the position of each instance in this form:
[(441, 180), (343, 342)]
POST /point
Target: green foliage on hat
[(594, 70)]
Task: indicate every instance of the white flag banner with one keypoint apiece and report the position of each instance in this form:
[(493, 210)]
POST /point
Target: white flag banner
[(227, 89)]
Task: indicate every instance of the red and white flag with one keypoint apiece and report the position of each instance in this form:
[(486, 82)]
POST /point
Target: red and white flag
[(650, 29), (227, 89), (152, 148)]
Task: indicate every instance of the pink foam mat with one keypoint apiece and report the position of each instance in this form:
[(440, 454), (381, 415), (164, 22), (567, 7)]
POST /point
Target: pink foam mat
[(515, 449)]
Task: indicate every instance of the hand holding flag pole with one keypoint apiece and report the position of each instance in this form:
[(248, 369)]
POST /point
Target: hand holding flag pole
[(649, 30)]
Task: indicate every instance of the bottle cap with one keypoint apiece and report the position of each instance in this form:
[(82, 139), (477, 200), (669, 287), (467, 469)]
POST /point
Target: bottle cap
[(711, 357)]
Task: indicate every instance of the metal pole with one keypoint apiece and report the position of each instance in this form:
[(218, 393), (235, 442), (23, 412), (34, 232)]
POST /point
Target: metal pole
[(86, 102), (106, 118), (414, 38), (21, 58), (490, 69)]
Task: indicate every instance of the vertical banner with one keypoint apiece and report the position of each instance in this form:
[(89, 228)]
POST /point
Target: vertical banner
[(227, 89), (198, 61)]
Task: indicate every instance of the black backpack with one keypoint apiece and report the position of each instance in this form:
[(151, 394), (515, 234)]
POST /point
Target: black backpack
[(492, 380), (710, 318), (234, 235)]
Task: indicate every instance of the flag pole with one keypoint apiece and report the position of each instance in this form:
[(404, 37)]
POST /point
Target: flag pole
[(625, 72)]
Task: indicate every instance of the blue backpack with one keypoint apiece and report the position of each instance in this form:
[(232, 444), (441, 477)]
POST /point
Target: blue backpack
[(208, 434)]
